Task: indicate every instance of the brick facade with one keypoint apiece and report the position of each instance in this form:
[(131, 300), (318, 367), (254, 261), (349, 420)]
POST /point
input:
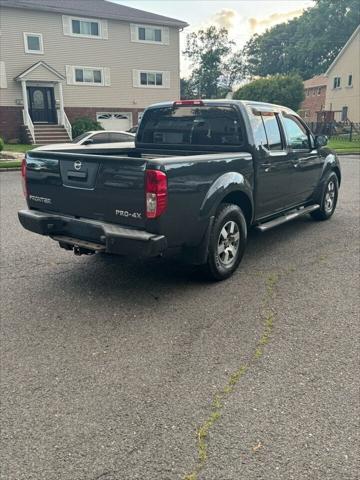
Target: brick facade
[(314, 102), (315, 95), (11, 118), (11, 121)]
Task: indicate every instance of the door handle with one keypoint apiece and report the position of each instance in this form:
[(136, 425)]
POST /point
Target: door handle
[(266, 166)]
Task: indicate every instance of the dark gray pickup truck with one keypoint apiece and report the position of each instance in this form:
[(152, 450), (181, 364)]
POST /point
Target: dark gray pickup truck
[(201, 174)]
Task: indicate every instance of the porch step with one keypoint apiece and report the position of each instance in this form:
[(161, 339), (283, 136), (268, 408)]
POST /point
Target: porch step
[(47, 134)]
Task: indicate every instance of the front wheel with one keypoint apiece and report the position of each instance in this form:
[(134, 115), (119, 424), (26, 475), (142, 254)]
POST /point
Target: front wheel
[(329, 199), (227, 242)]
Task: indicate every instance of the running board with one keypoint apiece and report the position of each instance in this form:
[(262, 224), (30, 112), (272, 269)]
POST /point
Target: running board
[(263, 227)]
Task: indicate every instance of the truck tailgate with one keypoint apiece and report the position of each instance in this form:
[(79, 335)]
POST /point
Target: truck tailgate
[(104, 188)]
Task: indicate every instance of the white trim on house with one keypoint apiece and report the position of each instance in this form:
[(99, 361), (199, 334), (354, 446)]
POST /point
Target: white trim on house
[(137, 78), (3, 80), (134, 34), (68, 28), (26, 45), (71, 79), (37, 65), (355, 32)]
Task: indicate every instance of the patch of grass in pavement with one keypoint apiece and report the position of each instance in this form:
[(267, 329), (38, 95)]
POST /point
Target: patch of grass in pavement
[(10, 164), (217, 404), (344, 146), (18, 147)]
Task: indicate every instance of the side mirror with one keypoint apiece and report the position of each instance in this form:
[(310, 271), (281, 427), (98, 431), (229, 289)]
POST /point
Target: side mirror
[(89, 141), (320, 141)]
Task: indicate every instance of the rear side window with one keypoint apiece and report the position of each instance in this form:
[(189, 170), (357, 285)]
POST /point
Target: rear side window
[(100, 138), (272, 130), (297, 135), (191, 125), (120, 137)]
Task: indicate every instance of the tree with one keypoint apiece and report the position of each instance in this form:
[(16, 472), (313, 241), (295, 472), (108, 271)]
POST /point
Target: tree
[(287, 90), (305, 45), (187, 89), (210, 52)]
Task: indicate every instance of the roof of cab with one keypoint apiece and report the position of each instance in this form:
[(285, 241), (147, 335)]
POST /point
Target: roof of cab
[(225, 101)]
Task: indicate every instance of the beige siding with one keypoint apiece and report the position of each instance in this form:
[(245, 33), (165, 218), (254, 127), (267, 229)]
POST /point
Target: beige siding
[(117, 53), (41, 74), (347, 64)]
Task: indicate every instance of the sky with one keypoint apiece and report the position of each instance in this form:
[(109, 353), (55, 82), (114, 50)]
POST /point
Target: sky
[(242, 18)]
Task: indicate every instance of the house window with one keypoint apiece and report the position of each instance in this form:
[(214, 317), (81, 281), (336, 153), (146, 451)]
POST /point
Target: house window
[(151, 79), (337, 82), (350, 81), (33, 43), (307, 92), (319, 91), (89, 75), (149, 34), (85, 27)]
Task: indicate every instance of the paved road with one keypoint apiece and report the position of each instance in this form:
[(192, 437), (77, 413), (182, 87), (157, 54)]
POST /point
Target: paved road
[(109, 367)]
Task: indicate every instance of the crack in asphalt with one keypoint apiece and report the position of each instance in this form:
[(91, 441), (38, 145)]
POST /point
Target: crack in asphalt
[(268, 315)]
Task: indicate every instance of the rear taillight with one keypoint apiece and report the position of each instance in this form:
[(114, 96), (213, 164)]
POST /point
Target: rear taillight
[(23, 177), (156, 193)]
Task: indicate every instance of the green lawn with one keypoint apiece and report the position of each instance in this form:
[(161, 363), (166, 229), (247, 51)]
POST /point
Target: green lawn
[(21, 148), (344, 146), (10, 164)]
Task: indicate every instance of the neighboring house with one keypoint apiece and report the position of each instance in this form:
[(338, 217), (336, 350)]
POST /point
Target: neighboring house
[(63, 59), (315, 92), (343, 92)]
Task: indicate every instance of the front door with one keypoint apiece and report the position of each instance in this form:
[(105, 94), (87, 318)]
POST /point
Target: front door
[(42, 104), (306, 161), (273, 167)]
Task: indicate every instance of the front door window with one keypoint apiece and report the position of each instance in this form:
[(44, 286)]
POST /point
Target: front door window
[(42, 104)]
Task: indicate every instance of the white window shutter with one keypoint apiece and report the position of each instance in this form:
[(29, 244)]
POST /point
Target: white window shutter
[(133, 32), (3, 81), (136, 78), (166, 79), (165, 36), (66, 25), (104, 29), (69, 74), (107, 80)]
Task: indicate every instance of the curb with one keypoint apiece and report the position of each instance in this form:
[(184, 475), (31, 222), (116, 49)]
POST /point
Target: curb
[(348, 153), (10, 169)]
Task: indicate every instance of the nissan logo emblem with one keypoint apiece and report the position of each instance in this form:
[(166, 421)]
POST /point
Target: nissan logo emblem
[(77, 165)]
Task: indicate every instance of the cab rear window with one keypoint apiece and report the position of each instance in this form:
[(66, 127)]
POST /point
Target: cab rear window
[(191, 125)]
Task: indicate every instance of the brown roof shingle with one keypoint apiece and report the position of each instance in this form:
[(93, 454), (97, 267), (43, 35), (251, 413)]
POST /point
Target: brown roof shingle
[(317, 81), (95, 8)]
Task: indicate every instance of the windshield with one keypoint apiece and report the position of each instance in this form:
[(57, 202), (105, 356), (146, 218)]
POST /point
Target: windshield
[(80, 137), (191, 125)]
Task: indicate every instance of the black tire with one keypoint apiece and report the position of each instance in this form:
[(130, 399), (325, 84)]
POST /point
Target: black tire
[(222, 264), (328, 199)]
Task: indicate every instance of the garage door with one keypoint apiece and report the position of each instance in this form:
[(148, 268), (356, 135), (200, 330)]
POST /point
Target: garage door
[(114, 120)]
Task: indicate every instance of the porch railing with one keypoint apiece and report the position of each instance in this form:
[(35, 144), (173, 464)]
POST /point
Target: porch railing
[(29, 124), (67, 124)]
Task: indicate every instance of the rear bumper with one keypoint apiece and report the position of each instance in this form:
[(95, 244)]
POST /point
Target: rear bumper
[(109, 237)]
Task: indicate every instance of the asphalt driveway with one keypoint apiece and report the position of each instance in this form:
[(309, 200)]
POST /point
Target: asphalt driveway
[(114, 369)]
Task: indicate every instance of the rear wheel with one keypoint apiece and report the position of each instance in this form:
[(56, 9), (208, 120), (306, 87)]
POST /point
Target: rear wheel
[(329, 199), (227, 242)]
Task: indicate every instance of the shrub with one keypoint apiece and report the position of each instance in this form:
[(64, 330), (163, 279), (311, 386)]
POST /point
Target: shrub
[(287, 90), (84, 124), (1, 144)]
